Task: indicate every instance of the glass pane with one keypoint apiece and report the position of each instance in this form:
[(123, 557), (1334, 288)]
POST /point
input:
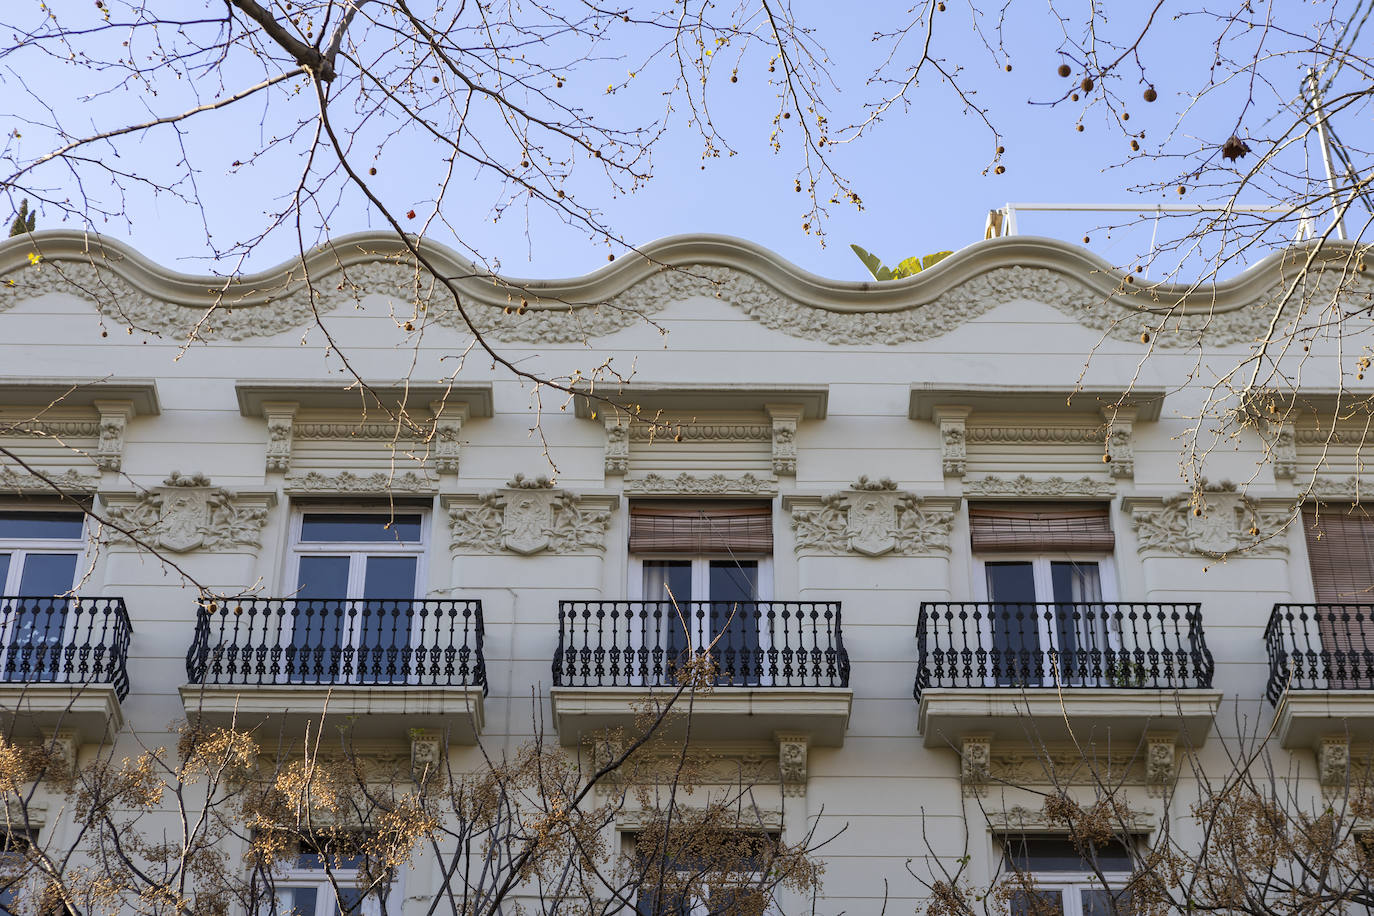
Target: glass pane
[(349, 900), (320, 617), (384, 619), (668, 580), (1106, 902), (47, 574), (1016, 657), (1079, 630), (668, 623), (1035, 854), (40, 525), (735, 621), (4, 571), (36, 640), (1037, 903), (365, 527), (297, 901)]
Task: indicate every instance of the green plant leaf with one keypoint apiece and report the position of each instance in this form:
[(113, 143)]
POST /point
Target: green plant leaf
[(873, 263), (909, 267), (931, 260)]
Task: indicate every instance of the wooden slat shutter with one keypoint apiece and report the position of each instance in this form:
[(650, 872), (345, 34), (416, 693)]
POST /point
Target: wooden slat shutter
[(701, 527), (1340, 549), (1041, 527)]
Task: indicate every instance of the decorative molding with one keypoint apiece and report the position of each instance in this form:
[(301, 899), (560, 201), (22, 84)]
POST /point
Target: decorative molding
[(872, 520), (1018, 819), (1333, 762), (617, 443), (1035, 435), (528, 517), (975, 765), (114, 417), (750, 816), (1024, 487), (1336, 487), (281, 432), (792, 762), (686, 484), (64, 744), (1120, 449), (706, 432), (1284, 451), (69, 481), (52, 428), (426, 753), (381, 482), (1161, 762), (448, 428), (1218, 522), (187, 513), (785, 418), (1059, 766), (779, 295), (953, 422)]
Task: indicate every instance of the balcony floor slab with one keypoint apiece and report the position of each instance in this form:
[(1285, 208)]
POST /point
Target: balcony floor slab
[(1305, 717), (93, 711)]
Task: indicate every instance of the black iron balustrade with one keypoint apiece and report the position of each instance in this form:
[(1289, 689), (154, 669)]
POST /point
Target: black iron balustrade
[(65, 641), (371, 642), (1320, 647), (1144, 646), (752, 643)]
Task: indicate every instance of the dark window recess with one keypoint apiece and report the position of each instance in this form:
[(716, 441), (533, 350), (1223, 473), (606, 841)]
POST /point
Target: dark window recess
[(41, 525), (361, 527), (1061, 854)]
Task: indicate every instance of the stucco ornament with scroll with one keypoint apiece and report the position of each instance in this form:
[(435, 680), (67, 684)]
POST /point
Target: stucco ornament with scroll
[(528, 516), (872, 518), (1218, 522), (188, 513)]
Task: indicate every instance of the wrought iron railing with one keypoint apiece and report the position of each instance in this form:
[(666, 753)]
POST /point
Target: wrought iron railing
[(1320, 647), (752, 643), (65, 641), (373, 642), (1147, 646)]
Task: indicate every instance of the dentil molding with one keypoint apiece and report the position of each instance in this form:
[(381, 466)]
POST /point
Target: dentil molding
[(777, 294), (872, 519), (529, 516), (1220, 521), (188, 513)]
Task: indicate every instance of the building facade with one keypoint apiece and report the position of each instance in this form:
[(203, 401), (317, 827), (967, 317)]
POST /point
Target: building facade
[(938, 534)]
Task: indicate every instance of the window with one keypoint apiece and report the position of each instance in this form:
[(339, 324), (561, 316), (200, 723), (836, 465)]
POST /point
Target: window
[(1340, 549), (39, 552), (1064, 882), (1045, 573), (701, 569), (14, 873), (730, 880), (304, 888), (355, 578)]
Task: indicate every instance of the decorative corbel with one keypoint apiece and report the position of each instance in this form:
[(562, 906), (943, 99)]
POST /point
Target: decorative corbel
[(63, 745), (1120, 450), (1285, 452), (1333, 762), (953, 439), (426, 753), (1161, 762), (785, 418), (975, 764), (114, 416), (792, 754), (281, 416), (617, 442), (448, 424)]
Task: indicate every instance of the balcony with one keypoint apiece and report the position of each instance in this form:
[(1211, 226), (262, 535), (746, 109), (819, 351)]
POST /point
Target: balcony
[(65, 665), (382, 666), (780, 666), (1052, 672), (1321, 672)]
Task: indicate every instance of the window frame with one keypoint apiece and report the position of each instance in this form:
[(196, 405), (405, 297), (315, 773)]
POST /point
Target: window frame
[(1070, 883), (23, 547), (294, 876), (699, 906)]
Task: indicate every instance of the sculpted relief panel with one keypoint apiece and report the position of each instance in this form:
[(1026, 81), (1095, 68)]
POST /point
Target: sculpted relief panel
[(872, 518), (187, 513), (1223, 521), (529, 516)]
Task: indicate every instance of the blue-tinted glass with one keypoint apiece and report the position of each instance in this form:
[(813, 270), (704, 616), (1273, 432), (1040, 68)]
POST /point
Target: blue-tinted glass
[(1106, 902), (40, 525), (390, 577), (668, 580), (389, 587), (734, 580), (348, 901), (315, 861), (1015, 625), (322, 577), (362, 527), (1037, 903), (47, 574), (1036, 854), (4, 569), (297, 901), (318, 624), (735, 621)]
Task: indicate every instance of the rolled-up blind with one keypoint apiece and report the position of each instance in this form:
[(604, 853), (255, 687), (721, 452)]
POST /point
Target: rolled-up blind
[(699, 527), (1041, 527), (1340, 547)]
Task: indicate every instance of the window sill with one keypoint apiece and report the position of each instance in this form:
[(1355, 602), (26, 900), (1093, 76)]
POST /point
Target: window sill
[(90, 710)]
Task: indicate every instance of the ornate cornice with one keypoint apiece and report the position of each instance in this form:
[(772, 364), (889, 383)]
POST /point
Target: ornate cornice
[(128, 287), (686, 484), (1032, 820), (714, 432), (1031, 435), (529, 517), (348, 482), (69, 481), (1219, 522), (1338, 487), (1024, 487), (188, 513), (871, 520)]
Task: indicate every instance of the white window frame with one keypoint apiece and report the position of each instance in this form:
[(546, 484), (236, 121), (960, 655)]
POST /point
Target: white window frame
[(326, 901), (19, 550), (699, 906), (357, 553), (1071, 884), (1044, 594)]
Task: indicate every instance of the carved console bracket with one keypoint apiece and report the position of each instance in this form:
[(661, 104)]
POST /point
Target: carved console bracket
[(785, 418), (1283, 450), (189, 513), (1120, 450), (1161, 762), (280, 416), (529, 516), (1219, 521), (426, 753), (975, 765), (114, 416), (64, 745), (1333, 763), (872, 518), (617, 442), (953, 422), (792, 765), (448, 426)]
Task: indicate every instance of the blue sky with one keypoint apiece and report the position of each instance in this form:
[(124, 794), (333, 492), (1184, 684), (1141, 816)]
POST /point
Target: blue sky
[(921, 173)]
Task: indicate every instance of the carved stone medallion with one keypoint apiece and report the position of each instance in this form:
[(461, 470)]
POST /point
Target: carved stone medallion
[(871, 525), (188, 513), (528, 521), (872, 519)]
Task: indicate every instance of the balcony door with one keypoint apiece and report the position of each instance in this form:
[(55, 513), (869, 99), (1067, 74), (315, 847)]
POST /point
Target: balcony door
[(39, 553), (1340, 550), (356, 578)]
